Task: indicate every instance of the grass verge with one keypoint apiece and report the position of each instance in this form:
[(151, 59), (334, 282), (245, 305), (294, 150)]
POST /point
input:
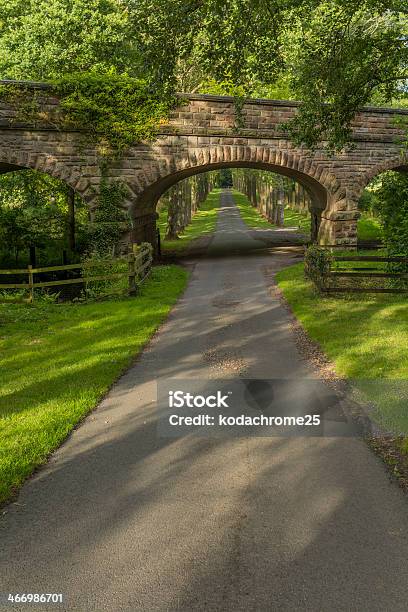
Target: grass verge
[(202, 223), (57, 361), (255, 220), (369, 228), (365, 337), (292, 218), (249, 214)]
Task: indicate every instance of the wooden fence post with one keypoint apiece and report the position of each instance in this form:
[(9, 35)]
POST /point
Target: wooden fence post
[(132, 272), (30, 284)]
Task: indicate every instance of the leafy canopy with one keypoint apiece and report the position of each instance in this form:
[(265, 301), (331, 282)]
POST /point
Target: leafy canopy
[(333, 55), (43, 39), (391, 200)]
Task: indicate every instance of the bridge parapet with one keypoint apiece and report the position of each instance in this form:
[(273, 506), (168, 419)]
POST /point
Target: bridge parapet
[(216, 115)]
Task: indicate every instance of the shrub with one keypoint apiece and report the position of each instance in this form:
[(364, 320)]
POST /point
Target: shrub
[(317, 265), (393, 208), (99, 265)]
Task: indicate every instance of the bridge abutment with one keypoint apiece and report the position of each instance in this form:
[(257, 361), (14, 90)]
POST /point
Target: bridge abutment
[(339, 228), (338, 232), (144, 230)]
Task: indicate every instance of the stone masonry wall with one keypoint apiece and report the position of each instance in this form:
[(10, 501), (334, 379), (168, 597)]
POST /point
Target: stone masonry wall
[(201, 136)]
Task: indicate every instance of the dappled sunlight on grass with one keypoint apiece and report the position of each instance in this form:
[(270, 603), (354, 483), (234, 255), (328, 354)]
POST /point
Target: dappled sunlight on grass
[(369, 228), (249, 214), (79, 350), (365, 336), (301, 221), (252, 217), (202, 223)]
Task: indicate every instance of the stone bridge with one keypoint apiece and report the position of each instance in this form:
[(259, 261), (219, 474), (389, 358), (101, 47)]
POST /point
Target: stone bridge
[(201, 136)]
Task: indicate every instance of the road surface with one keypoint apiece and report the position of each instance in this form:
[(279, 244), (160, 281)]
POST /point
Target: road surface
[(123, 520)]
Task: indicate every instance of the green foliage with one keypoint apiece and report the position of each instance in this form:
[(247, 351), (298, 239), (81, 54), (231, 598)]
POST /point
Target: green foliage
[(367, 201), (392, 198), (369, 228), (224, 178), (27, 102), (96, 264), (202, 223), (104, 265), (249, 214), (342, 56), (281, 89), (385, 202), (299, 219), (19, 296), (265, 190), (114, 111), (333, 56), (95, 56), (34, 212), (241, 40), (110, 220), (42, 39), (317, 265), (117, 111)]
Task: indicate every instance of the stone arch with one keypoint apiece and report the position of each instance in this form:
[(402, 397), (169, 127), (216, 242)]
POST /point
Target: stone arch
[(158, 177), (16, 160), (338, 225), (399, 164), (45, 165)]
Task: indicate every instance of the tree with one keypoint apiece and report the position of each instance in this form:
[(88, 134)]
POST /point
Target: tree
[(225, 178), (43, 39), (392, 204), (35, 212), (344, 57), (333, 55)]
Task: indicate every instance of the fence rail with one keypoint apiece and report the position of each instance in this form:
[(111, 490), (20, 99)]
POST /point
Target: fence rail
[(358, 278), (324, 270), (139, 262)]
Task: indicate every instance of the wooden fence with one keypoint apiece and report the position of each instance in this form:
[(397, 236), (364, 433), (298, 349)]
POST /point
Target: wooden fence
[(139, 263), (369, 278)]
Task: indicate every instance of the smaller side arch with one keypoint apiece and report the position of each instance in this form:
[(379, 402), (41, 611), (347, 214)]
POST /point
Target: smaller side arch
[(16, 160), (398, 164)]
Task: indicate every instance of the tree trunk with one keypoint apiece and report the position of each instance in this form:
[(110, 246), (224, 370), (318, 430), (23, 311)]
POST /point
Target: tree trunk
[(172, 221)]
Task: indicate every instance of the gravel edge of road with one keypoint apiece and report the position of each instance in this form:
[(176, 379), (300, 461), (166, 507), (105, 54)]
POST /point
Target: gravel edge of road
[(385, 445)]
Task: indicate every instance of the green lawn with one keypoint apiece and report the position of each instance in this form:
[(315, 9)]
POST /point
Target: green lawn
[(292, 218), (369, 228), (202, 223), (249, 214), (255, 220), (366, 338), (57, 361)]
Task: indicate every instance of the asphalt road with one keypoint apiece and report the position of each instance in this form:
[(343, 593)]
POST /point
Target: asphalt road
[(124, 520)]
